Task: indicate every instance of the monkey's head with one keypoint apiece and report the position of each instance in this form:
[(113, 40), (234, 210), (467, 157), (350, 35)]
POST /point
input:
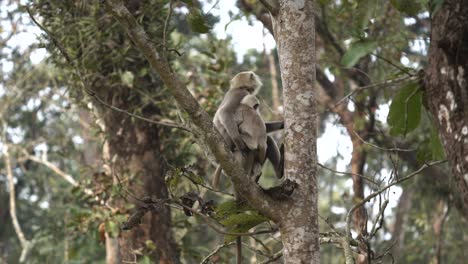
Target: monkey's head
[(251, 101), (247, 80)]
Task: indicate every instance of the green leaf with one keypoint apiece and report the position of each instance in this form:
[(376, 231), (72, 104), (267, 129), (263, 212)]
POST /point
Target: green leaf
[(437, 150), (357, 51), (241, 223), (197, 21), (228, 208), (242, 219), (405, 111), (410, 7)]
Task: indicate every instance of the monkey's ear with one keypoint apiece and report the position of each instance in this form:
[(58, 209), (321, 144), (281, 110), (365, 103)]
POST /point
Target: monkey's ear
[(252, 76)]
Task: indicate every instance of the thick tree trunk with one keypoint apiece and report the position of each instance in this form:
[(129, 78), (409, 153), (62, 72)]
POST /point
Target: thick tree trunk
[(136, 144), (295, 36), (446, 86)]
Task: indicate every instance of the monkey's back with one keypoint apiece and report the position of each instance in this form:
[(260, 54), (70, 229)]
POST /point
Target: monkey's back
[(226, 112)]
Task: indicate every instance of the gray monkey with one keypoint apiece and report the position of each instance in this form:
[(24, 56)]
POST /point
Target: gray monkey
[(243, 84), (253, 132)]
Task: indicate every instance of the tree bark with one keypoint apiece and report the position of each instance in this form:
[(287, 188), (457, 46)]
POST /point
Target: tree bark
[(446, 86), (294, 30), (136, 145), (401, 221)]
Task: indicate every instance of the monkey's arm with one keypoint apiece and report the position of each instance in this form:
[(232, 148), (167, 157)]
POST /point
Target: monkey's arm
[(274, 126)]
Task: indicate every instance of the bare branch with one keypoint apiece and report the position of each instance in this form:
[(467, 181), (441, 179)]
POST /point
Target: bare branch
[(374, 194), (381, 148), (274, 258), (379, 219), (166, 24), (68, 178), (25, 244), (383, 84), (214, 252), (369, 179)]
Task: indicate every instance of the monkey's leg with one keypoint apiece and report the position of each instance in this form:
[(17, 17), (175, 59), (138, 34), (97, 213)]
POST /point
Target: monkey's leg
[(274, 126), (274, 156)]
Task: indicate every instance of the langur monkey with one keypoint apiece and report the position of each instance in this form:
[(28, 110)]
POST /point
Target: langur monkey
[(252, 130), (243, 84)]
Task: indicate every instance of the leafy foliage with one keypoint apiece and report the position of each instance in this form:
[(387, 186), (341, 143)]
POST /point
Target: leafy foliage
[(197, 21), (405, 110), (357, 51), (237, 218)]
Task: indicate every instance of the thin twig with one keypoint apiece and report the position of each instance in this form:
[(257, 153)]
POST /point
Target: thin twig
[(379, 219), (381, 148), (393, 64), (274, 258), (207, 187), (367, 178), (256, 251), (214, 252), (374, 194), (383, 84), (68, 178), (214, 5), (166, 23)]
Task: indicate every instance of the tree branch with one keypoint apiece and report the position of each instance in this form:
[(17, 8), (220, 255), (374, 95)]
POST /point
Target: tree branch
[(68, 178), (25, 244), (246, 188), (374, 194), (214, 252)]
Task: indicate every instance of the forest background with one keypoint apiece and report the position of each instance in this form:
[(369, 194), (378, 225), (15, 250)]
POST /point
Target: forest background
[(88, 130)]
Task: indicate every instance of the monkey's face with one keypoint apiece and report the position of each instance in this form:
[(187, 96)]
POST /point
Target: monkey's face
[(246, 80)]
